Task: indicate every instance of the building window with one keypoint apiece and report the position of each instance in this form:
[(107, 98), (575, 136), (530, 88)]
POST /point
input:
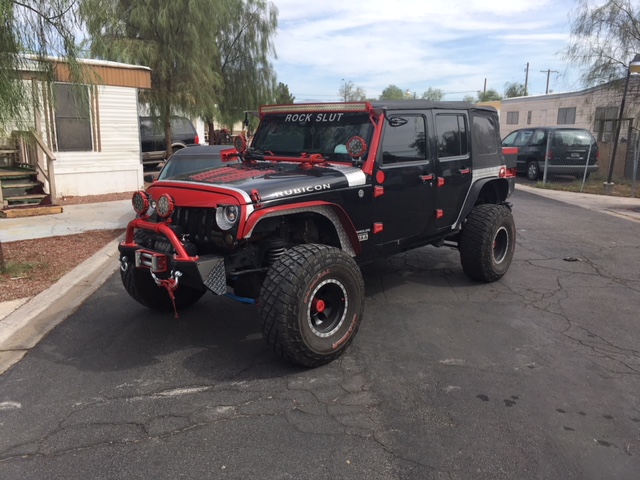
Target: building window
[(605, 121), (73, 118), (567, 116), (513, 118), (529, 117), (451, 133)]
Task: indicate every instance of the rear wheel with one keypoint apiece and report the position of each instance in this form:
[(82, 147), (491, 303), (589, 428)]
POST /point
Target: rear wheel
[(487, 242), (311, 304), (143, 289)]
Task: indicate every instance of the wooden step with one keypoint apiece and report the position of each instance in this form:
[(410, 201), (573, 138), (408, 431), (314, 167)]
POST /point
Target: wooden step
[(30, 211), (33, 199)]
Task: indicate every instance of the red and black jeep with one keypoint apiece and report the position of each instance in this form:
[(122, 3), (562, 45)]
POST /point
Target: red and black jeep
[(322, 189)]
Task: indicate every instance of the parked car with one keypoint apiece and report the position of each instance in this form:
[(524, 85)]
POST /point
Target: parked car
[(193, 159), (568, 151), (152, 140)]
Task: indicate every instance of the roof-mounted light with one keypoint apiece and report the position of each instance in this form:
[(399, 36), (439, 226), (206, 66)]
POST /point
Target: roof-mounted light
[(317, 107)]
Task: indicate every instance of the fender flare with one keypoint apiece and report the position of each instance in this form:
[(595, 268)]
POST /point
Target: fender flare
[(502, 189), (347, 234)]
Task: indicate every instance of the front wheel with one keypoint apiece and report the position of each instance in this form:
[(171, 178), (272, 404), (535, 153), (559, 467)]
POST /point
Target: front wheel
[(533, 171), (487, 242), (312, 302)]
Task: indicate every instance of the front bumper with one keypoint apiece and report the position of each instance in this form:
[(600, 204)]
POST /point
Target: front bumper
[(199, 272)]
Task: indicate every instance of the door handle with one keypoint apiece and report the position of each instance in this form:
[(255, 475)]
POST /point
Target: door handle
[(426, 178)]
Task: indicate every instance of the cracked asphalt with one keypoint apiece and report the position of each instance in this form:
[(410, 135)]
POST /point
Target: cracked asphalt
[(532, 377)]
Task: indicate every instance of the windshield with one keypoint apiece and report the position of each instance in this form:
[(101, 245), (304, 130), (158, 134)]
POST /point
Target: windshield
[(324, 133)]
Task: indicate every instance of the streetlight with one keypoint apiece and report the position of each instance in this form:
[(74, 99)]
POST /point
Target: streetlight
[(634, 67)]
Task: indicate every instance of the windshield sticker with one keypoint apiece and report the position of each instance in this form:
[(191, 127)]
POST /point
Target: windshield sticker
[(319, 117)]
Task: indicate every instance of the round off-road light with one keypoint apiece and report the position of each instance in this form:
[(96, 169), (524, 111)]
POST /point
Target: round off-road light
[(165, 206), (227, 216), (240, 143), (140, 202), (357, 147)]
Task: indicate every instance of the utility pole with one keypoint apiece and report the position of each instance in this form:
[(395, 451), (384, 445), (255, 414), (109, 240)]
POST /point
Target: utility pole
[(548, 72), (526, 81)]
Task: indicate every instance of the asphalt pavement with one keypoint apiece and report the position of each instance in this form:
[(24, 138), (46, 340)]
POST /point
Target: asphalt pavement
[(24, 322)]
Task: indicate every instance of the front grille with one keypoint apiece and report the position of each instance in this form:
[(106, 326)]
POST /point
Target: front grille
[(200, 225)]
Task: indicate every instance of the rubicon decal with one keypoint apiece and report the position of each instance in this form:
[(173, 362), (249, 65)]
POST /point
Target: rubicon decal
[(307, 189)]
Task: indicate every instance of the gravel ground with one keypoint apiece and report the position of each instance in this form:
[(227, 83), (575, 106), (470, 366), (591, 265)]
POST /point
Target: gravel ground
[(31, 266)]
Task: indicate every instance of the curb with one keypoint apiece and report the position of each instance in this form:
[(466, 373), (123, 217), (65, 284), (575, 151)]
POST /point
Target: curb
[(23, 328)]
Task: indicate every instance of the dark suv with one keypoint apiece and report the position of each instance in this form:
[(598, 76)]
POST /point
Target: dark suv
[(323, 188), (152, 140), (568, 150)]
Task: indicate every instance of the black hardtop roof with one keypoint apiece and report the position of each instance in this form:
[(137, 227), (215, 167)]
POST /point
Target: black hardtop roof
[(419, 104)]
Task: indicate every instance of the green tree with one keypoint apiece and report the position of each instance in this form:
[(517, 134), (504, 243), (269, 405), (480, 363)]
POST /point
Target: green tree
[(392, 92), (489, 96), (177, 40), (352, 93), (514, 90), (282, 95), (469, 98), (433, 94), (245, 46), (604, 39), (39, 28)]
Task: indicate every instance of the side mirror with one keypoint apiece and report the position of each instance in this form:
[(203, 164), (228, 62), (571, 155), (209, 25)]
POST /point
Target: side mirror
[(149, 178), (396, 121)]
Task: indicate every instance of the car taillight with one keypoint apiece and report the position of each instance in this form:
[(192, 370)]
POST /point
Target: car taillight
[(196, 140), (550, 155)]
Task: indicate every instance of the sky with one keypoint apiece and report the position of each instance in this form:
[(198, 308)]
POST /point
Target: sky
[(452, 45)]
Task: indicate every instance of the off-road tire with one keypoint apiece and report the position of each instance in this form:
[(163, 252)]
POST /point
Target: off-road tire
[(143, 289), (533, 171), (311, 304), (487, 242)]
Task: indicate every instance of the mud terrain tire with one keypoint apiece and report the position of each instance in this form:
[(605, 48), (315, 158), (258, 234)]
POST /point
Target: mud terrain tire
[(487, 242), (312, 302)]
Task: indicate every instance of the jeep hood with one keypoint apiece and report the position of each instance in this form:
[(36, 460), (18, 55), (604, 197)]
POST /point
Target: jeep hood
[(273, 180)]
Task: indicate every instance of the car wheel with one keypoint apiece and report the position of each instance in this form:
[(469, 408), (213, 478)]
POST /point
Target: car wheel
[(311, 303), (487, 242), (533, 171)]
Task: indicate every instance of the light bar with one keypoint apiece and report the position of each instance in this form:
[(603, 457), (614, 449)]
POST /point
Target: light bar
[(317, 107)]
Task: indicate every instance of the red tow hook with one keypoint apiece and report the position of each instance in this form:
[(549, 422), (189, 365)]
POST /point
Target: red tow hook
[(171, 284)]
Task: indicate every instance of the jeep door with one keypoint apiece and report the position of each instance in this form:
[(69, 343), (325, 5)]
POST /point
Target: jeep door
[(454, 169), (404, 187)]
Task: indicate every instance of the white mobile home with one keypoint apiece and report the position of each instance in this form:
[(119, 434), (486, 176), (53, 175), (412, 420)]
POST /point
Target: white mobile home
[(88, 133)]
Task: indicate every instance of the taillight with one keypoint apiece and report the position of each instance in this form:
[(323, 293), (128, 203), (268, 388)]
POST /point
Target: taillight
[(550, 155), (196, 140)]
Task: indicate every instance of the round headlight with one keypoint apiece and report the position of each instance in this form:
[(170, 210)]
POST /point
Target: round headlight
[(227, 216), (165, 206), (140, 202)]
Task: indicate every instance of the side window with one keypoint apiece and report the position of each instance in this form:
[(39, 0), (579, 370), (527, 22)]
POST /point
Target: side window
[(405, 142), (451, 132), (484, 136), (73, 118), (510, 139), (539, 139), (523, 138)]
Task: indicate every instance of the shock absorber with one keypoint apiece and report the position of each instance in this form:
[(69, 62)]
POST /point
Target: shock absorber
[(276, 249)]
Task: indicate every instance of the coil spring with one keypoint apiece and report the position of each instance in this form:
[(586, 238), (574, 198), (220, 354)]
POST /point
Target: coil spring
[(274, 254)]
